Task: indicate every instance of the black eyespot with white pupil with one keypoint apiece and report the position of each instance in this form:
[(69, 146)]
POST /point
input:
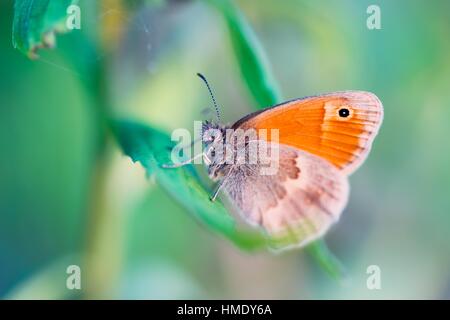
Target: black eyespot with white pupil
[(344, 112)]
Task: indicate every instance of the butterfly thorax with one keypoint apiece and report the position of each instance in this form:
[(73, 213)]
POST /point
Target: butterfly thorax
[(228, 148)]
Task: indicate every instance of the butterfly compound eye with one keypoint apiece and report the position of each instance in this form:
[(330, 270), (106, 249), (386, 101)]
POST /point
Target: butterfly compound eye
[(344, 112)]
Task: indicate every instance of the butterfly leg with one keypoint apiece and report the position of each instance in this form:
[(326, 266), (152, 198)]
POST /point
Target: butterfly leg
[(216, 190), (190, 145), (219, 186), (182, 163)]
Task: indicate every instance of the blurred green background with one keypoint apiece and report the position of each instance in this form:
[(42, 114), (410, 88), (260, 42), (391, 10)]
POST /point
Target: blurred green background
[(68, 195)]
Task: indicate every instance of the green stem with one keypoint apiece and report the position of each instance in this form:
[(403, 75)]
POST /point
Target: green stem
[(103, 254)]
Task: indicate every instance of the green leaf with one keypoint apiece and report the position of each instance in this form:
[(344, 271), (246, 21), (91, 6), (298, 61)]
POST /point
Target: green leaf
[(152, 148), (256, 72), (253, 63), (36, 22)]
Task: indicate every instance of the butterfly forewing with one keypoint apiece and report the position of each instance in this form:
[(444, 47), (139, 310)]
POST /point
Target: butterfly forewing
[(338, 127)]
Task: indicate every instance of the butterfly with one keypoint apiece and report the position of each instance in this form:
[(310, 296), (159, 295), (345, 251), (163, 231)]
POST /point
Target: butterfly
[(320, 141)]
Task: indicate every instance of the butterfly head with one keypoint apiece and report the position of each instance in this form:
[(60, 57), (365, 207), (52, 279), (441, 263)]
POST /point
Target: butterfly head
[(208, 129)]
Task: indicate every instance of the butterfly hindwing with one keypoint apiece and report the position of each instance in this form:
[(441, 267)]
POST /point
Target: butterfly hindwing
[(297, 204)]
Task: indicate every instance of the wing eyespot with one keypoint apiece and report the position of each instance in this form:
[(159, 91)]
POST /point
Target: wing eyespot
[(344, 113)]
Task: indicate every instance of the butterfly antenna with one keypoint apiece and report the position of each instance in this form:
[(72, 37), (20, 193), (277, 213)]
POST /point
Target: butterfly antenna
[(211, 94)]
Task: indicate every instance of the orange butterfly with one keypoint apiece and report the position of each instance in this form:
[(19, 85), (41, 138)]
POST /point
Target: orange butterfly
[(321, 140)]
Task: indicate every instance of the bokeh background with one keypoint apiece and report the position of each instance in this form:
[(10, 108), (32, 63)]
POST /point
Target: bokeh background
[(61, 203)]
